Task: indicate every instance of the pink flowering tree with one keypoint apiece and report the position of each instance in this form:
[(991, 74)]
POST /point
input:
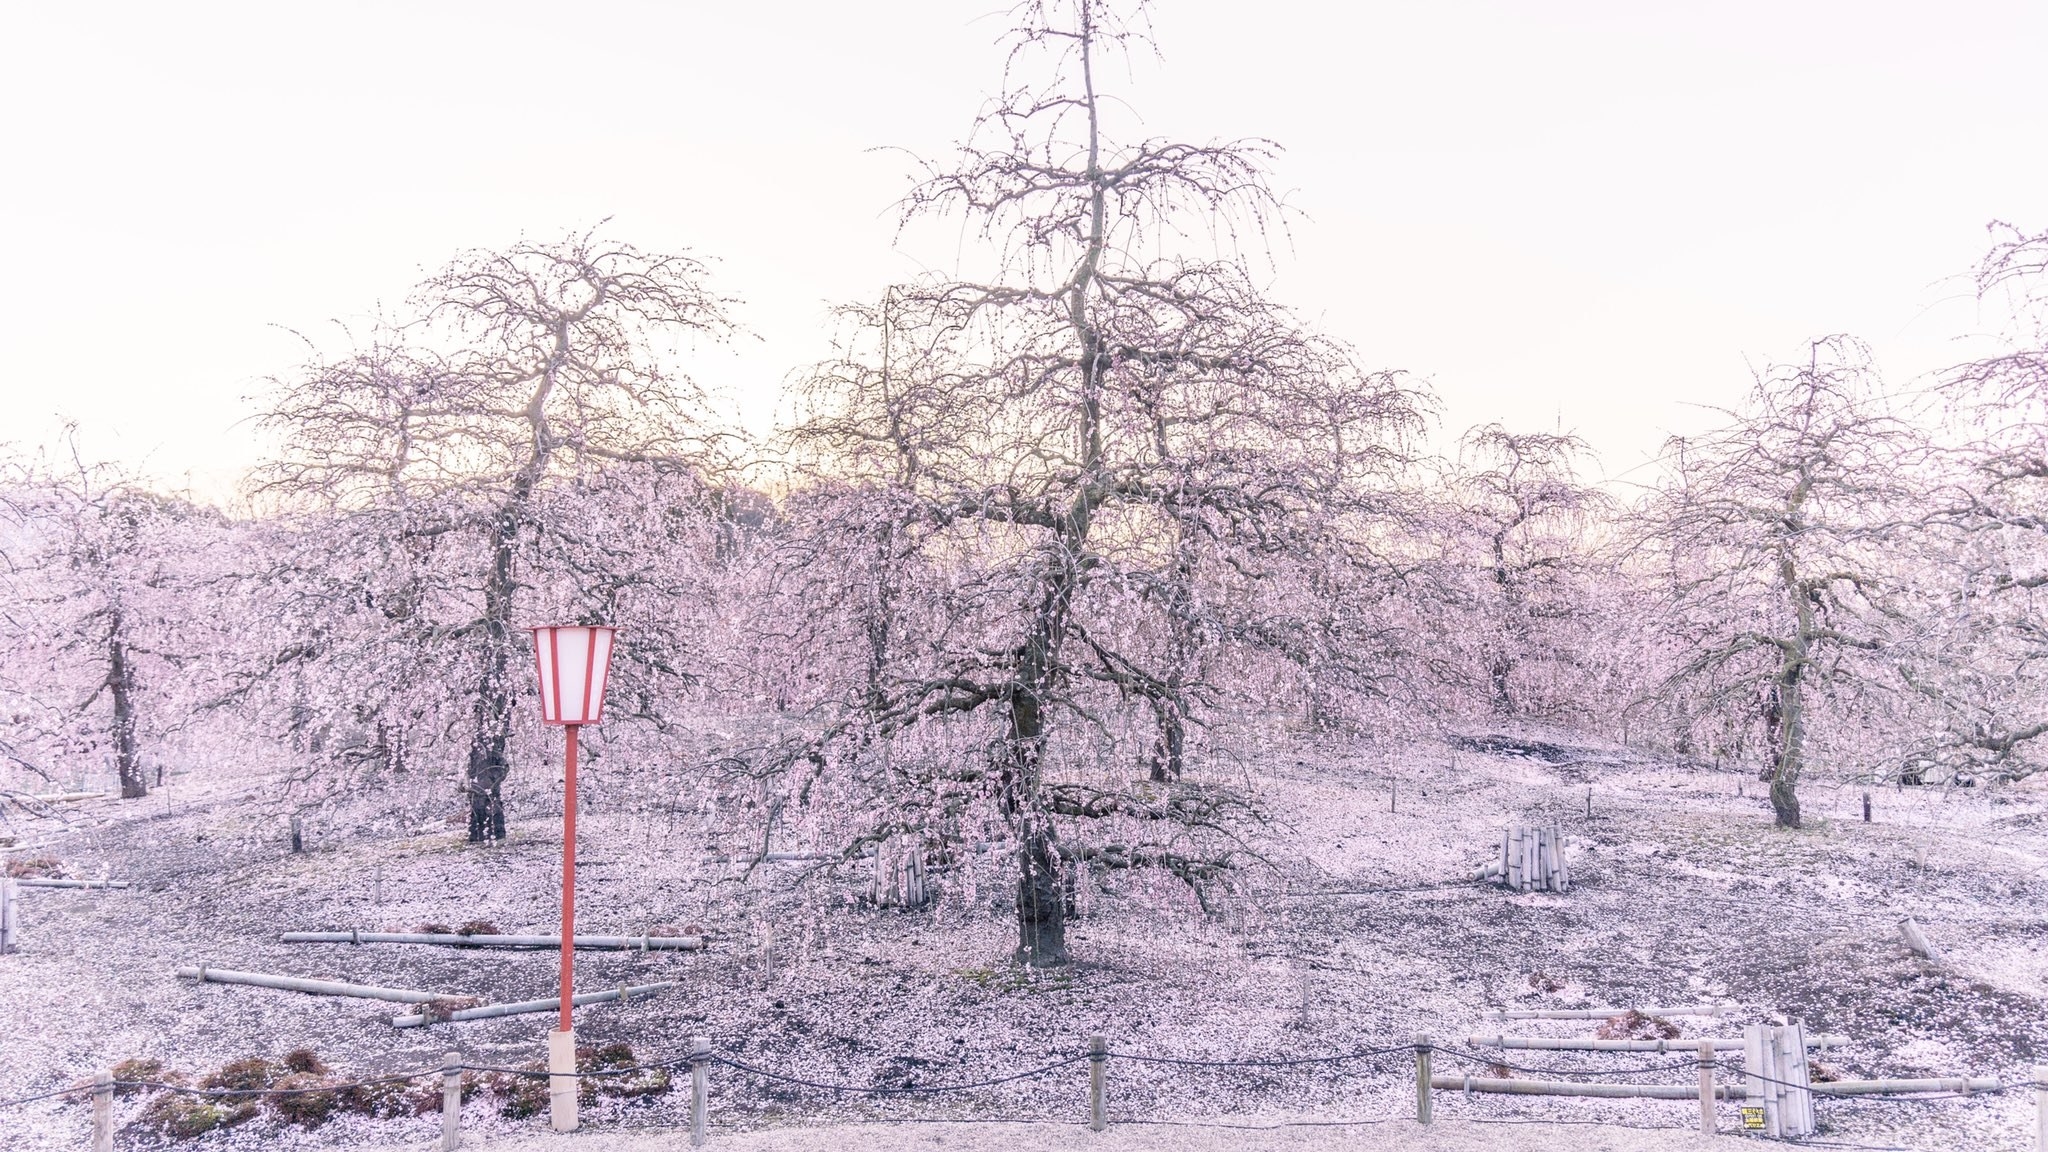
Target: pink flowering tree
[(1522, 534), (521, 447), (108, 601), (1980, 668), (1078, 499), (1781, 541)]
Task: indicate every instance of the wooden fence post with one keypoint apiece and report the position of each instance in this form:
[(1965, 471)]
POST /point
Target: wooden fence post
[(2041, 1108), (103, 1112), (1706, 1087), (1422, 1098), (451, 1101), (1098, 1055), (700, 1086), (1917, 941), (10, 922)]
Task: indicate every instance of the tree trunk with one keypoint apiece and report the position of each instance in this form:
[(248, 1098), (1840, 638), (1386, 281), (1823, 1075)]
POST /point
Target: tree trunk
[(121, 684), (1502, 666), (491, 732), (1785, 781), (1497, 670), (1041, 908), (1169, 749), (1169, 709), (1793, 658), (482, 784), (1041, 895), (880, 615)]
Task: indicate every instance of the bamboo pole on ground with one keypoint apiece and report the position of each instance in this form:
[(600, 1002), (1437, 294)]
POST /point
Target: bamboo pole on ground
[(1607, 1013), (529, 1007), (52, 882), (206, 975), (1908, 1087), (1591, 1044), (502, 940), (1518, 1087)]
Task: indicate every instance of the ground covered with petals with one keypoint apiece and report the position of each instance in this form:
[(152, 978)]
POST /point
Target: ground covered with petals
[(1365, 932)]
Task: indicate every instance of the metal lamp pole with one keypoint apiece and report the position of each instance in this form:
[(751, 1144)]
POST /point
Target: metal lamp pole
[(573, 662), (569, 881)]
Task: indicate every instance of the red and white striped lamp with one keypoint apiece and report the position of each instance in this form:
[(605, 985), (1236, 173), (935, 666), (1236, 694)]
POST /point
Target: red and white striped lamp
[(573, 660)]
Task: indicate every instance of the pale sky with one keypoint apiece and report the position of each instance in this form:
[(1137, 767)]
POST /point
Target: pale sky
[(1594, 215)]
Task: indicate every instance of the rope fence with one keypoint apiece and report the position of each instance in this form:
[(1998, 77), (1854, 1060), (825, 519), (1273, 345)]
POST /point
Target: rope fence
[(701, 1058)]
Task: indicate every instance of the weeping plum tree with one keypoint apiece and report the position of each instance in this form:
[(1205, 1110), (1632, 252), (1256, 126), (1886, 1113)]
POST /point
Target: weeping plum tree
[(1110, 454), (1525, 521), (467, 458), (1983, 666), (1781, 535), (101, 598)]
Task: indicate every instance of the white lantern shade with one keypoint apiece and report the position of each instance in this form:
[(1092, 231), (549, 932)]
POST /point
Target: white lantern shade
[(574, 660)]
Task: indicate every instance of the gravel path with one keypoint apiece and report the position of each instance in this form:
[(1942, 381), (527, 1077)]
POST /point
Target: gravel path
[(1392, 1136)]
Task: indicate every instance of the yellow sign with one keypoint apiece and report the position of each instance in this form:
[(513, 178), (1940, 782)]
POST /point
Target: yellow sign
[(1753, 1117)]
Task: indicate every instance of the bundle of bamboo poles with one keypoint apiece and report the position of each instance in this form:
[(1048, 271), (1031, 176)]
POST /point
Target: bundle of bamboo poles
[(1531, 860), (1779, 1098)]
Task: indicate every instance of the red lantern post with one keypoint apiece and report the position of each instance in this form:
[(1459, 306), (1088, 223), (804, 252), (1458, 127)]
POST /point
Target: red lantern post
[(573, 662)]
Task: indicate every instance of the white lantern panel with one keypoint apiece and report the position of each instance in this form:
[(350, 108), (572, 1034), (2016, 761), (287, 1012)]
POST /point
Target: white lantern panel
[(573, 663)]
